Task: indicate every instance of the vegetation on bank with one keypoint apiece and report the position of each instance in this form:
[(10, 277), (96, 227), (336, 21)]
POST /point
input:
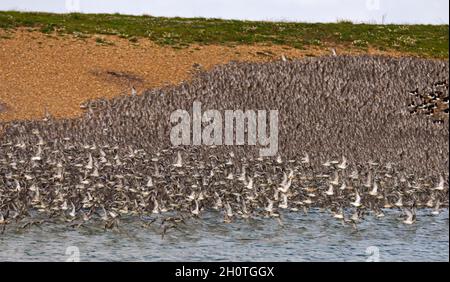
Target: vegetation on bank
[(430, 41)]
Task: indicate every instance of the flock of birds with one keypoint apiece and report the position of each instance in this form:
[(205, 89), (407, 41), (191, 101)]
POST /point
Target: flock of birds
[(77, 183), (346, 148), (433, 103)]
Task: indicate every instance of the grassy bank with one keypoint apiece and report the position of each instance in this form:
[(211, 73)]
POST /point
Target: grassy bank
[(429, 41)]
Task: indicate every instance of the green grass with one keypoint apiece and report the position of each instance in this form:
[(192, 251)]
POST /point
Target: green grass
[(430, 41)]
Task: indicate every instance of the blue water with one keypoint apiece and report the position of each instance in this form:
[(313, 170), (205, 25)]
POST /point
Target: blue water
[(312, 237)]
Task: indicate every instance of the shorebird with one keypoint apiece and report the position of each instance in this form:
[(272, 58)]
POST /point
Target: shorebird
[(339, 214), (73, 211), (229, 211), (368, 183), (333, 52), (330, 192), (64, 205), (269, 207), (192, 196), (284, 203), (286, 184), (279, 160), (399, 202), (155, 207), (436, 208), (357, 202), (196, 211), (374, 191), (149, 182), (47, 115), (335, 181), (243, 176), (218, 203), (249, 185), (410, 216), (113, 214), (441, 183), (89, 166), (179, 162), (38, 155), (343, 164), (305, 159)]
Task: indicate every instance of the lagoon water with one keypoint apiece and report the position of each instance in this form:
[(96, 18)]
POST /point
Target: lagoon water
[(314, 237)]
